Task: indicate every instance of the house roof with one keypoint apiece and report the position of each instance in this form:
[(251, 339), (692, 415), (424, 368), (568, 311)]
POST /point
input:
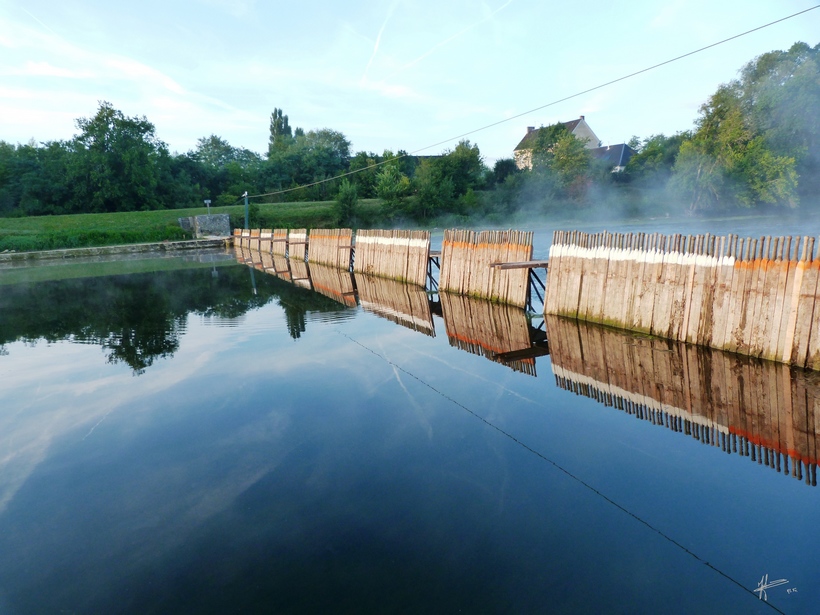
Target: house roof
[(528, 142), (614, 155)]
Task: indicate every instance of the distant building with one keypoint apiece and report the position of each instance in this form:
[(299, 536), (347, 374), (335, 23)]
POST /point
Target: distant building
[(615, 156), (579, 128)]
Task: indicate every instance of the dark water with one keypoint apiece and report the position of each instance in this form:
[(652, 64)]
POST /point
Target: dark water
[(207, 438)]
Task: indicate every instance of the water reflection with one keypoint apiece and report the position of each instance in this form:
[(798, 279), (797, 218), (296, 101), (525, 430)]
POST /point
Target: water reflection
[(499, 332), (405, 304), (496, 331), (139, 318), (765, 411)]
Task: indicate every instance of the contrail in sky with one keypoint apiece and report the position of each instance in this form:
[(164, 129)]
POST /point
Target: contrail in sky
[(456, 35), (378, 40), (38, 21)]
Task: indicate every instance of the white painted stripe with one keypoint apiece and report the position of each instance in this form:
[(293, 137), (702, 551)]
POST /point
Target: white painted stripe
[(642, 400)]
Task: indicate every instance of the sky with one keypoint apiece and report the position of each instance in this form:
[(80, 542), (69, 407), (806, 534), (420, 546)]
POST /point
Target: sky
[(401, 74)]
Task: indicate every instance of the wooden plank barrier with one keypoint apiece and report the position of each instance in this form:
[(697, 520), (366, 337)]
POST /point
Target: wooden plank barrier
[(487, 329), (330, 247), (398, 255), (253, 242), (280, 241), (402, 303), (333, 282), (297, 244), (764, 410), (265, 240), (466, 257), (756, 297)]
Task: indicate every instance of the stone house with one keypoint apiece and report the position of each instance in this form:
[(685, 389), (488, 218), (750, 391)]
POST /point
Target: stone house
[(579, 128)]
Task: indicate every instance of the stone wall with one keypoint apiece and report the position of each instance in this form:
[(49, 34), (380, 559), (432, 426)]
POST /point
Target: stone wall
[(215, 225)]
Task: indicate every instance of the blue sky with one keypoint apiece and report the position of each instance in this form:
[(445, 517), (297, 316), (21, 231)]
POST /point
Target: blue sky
[(402, 74)]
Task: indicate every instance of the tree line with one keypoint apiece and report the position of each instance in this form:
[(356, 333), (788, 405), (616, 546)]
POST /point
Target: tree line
[(755, 144)]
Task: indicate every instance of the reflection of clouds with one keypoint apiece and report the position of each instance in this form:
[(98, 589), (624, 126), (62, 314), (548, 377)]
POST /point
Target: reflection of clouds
[(61, 388), (73, 389)]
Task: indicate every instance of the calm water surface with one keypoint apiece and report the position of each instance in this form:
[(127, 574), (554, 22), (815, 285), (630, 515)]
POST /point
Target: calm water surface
[(195, 436)]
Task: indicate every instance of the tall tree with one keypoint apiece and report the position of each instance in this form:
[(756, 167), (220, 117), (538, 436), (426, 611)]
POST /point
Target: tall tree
[(281, 135)]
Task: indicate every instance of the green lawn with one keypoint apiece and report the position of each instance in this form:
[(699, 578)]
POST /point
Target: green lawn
[(83, 230)]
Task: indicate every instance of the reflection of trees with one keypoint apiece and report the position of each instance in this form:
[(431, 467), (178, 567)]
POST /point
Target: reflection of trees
[(140, 318)]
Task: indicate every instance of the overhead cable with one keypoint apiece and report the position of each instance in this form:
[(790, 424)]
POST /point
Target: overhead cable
[(549, 104)]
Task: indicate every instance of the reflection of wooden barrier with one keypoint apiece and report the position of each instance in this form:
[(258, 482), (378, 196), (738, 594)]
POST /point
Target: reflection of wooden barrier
[(245, 238), (333, 282), (267, 262), (331, 247), (281, 267), (297, 243), (280, 241), (753, 297), (265, 240), (402, 303), (299, 272), (760, 409), (398, 255), (466, 257), (487, 329)]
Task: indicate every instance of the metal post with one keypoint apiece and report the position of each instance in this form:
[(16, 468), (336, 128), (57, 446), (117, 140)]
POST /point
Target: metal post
[(246, 209), (208, 205)]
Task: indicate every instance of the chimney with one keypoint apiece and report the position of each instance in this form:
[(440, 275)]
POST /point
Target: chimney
[(582, 117), (530, 129)]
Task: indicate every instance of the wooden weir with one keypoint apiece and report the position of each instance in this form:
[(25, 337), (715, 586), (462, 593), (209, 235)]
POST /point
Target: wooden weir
[(499, 332), (280, 241), (466, 259), (297, 244), (398, 255), (331, 247), (766, 411), (756, 297)]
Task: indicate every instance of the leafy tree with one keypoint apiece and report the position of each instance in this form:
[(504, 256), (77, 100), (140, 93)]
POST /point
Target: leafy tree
[(116, 163), (727, 163), (366, 178), (464, 167), (391, 185), (503, 168), (346, 202), (434, 190), (655, 158)]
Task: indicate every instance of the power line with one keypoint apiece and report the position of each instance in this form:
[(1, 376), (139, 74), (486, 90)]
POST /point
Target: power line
[(562, 469), (549, 104)]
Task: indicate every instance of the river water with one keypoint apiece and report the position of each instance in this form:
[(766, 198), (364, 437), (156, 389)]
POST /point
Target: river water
[(193, 435)]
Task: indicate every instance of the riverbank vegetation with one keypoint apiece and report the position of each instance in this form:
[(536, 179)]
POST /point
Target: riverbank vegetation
[(754, 147)]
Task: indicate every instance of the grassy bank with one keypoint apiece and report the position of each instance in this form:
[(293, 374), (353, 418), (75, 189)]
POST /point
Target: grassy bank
[(86, 230)]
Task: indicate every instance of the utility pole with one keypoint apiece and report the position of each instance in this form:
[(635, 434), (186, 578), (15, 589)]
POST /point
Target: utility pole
[(246, 209)]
